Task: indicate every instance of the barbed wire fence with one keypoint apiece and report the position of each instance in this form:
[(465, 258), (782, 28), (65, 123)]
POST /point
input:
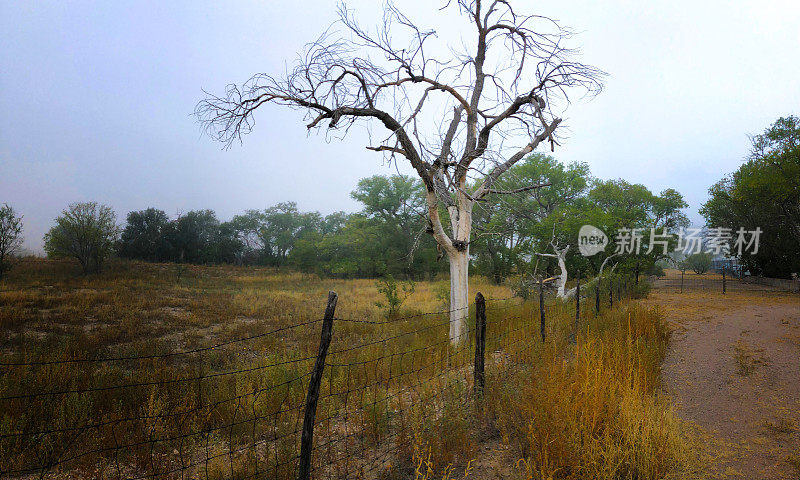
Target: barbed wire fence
[(325, 398)]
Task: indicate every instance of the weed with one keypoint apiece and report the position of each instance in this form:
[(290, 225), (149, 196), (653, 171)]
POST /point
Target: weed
[(394, 297), (794, 461), (782, 426), (747, 359)]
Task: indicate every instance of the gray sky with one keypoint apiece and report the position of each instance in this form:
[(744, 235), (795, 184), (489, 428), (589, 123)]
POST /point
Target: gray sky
[(96, 100)]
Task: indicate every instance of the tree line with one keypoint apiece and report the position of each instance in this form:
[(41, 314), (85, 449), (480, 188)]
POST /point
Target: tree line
[(391, 234), (521, 234), (384, 238)]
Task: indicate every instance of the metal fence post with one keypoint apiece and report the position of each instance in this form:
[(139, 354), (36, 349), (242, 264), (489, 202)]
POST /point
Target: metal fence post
[(307, 437), (541, 307), (480, 344)]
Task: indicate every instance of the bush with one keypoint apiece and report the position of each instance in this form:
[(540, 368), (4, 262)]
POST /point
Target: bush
[(522, 286), (657, 270), (700, 263), (394, 298), (10, 236), (85, 232)]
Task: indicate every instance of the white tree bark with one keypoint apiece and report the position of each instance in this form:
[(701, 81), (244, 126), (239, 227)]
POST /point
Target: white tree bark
[(560, 256), (457, 250), (458, 256), (561, 284), (459, 295)]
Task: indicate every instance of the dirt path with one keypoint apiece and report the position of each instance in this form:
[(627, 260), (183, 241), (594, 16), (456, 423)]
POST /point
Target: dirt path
[(734, 369)]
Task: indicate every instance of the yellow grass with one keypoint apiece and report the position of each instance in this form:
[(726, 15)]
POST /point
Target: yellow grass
[(588, 411)]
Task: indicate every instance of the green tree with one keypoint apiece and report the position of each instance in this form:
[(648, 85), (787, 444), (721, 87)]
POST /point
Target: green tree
[(145, 236), (199, 237), (10, 236), (393, 207), (508, 225), (609, 205), (86, 232), (281, 225), (622, 205), (764, 193), (700, 263), (247, 229)]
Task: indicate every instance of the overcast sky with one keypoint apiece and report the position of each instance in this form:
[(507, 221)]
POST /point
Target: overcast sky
[(96, 100)]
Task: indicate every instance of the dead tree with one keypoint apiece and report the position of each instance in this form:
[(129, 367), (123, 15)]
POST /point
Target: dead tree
[(460, 112)]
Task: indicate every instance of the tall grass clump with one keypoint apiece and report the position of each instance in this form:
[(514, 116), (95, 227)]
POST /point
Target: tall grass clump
[(595, 409)]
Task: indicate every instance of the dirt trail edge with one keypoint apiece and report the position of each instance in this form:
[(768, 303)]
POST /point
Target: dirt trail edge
[(733, 369)]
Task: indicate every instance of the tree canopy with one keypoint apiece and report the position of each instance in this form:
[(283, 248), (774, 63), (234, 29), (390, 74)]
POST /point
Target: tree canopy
[(10, 236), (764, 193), (86, 232)]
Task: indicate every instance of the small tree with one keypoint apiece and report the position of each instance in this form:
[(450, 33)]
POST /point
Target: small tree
[(10, 236), (84, 231), (394, 297), (699, 262)]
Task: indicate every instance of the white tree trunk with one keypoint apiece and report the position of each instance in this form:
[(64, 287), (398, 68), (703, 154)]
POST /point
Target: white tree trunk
[(562, 278), (459, 295), (457, 250), (561, 283)]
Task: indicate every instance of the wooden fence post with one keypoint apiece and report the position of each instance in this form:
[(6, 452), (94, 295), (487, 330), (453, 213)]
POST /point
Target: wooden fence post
[(723, 280), (479, 381), (597, 298), (682, 272), (610, 293), (577, 304), (541, 307), (637, 273), (307, 437)]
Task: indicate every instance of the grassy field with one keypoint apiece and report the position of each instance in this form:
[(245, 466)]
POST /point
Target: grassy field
[(113, 376)]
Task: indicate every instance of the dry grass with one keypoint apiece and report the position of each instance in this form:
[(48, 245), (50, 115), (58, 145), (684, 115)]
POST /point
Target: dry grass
[(747, 358), (794, 461), (594, 411)]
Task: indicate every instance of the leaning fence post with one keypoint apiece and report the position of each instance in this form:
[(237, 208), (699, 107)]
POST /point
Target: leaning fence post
[(541, 307), (480, 344), (307, 437), (723, 280)]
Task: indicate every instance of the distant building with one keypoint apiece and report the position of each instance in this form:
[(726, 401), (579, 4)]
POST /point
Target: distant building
[(730, 264)]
